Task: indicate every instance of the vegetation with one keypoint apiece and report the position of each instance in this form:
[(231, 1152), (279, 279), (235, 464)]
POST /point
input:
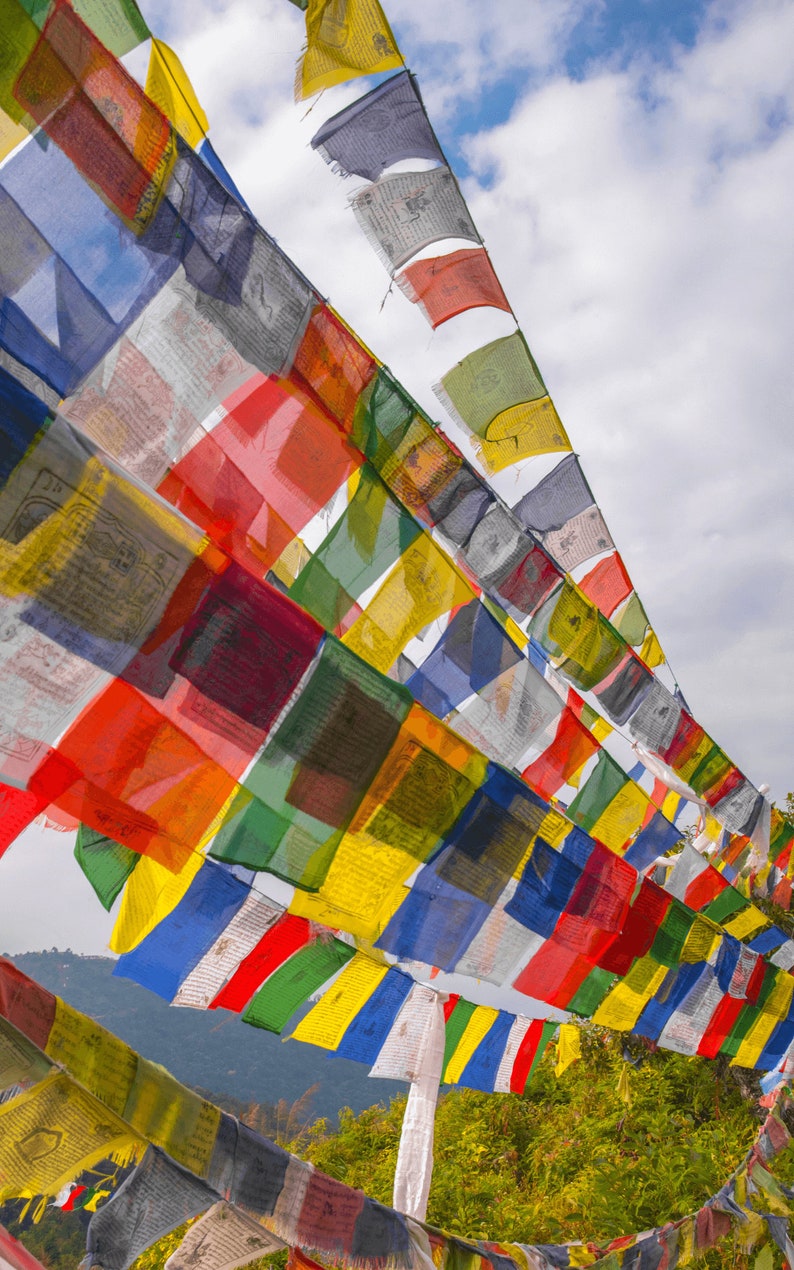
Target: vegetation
[(569, 1160)]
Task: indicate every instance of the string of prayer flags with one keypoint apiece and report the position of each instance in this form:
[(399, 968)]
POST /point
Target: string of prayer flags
[(222, 607), (403, 213), (448, 285), (165, 958), (478, 549), (227, 271), (383, 127), (302, 1206), (344, 38), (497, 394)]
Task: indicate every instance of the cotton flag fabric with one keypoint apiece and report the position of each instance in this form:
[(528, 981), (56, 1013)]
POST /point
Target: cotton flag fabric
[(223, 1239), (449, 285), (154, 1200), (497, 393), (403, 213), (169, 87), (385, 126), (344, 38)]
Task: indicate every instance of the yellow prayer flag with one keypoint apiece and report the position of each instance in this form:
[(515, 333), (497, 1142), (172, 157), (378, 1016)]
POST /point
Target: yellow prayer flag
[(344, 38), (475, 1031), (151, 893), (169, 88), (670, 805), (173, 1117), (686, 1242), (703, 938), (364, 884), (530, 428), (53, 1131), (422, 586), (569, 1047), (580, 1255), (624, 1085), (102, 1063), (601, 729), (327, 1023), (775, 1008), (651, 650), (294, 557), (621, 817), (624, 1003), (554, 829), (749, 922), (11, 134)]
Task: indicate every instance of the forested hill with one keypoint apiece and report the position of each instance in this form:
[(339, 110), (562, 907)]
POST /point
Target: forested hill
[(211, 1049)]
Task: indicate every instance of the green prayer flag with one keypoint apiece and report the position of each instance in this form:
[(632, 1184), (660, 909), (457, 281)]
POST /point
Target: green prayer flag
[(604, 783), (490, 380), (371, 535), (457, 1023), (106, 864), (295, 981), (118, 24)]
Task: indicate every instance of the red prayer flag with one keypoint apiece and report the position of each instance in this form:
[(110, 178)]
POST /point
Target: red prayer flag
[(448, 285)]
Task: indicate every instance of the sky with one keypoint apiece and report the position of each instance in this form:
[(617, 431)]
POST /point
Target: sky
[(630, 166)]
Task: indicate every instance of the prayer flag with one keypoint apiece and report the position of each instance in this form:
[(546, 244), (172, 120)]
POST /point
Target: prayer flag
[(385, 126), (344, 38), (449, 285)]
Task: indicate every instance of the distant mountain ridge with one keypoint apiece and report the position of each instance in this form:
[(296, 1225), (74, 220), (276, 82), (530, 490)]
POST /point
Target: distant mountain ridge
[(211, 1049)]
